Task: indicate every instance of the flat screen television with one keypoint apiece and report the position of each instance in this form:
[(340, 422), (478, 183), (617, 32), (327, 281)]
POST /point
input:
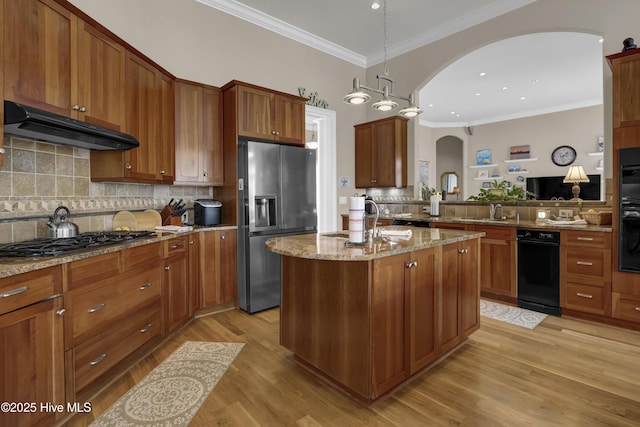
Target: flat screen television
[(547, 187)]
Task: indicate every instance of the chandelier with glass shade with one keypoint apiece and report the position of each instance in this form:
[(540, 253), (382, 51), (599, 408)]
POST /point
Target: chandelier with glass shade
[(359, 93)]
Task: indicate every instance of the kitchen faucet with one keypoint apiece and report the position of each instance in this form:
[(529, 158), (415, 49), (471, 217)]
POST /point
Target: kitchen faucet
[(493, 210), (375, 221)]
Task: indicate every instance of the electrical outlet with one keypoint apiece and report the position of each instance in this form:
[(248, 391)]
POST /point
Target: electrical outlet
[(565, 213), (343, 200)]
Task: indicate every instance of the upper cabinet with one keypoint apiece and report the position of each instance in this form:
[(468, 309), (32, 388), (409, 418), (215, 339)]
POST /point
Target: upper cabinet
[(270, 115), (626, 88), (57, 62), (198, 118), (149, 117), (381, 153)]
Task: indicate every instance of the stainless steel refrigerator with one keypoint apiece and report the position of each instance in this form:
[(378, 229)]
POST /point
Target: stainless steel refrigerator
[(276, 197)]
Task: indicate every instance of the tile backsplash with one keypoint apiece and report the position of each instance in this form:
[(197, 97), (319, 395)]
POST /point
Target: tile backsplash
[(38, 177)]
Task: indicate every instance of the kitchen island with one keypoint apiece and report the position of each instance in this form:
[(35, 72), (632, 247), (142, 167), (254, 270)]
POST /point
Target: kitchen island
[(370, 318)]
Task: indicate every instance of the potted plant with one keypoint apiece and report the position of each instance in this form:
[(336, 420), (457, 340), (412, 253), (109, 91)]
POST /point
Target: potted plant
[(500, 191)]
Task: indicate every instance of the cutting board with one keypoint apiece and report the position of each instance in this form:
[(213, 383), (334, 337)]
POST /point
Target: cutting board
[(125, 219), (147, 220)]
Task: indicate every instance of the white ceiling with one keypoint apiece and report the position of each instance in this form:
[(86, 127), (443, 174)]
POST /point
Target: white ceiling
[(568, 66)]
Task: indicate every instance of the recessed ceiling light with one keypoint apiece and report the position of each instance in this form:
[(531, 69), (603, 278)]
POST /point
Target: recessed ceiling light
[(504, 88), (483, 74), (523, 98), (457, 115), (477, 93), (453, 112), (375, 5), (535, 81), (430, 105)]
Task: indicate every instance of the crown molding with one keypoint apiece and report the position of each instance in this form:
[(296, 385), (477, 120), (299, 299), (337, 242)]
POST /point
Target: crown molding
[(270, 23)]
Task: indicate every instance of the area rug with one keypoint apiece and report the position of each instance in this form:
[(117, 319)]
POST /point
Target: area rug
[(171, 394), (517, 316)]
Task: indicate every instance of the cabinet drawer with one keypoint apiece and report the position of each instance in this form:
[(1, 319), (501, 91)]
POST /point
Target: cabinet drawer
[(25, 289), (595, 264), (138, 256), (97, 356), (175, 246), (586, 239), (91, 309), (91, 270), (626, 307), (586, 298)]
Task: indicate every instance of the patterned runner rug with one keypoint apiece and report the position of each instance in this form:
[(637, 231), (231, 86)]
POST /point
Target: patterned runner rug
[(518, 316), (171, 394)]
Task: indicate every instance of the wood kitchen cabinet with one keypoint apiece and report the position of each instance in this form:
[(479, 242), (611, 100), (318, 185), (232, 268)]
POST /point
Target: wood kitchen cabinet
[(149, 117), (32, 362), (404, 317), (270, 115), (460, 293), (585, 271), (112, 316), (625, 66), (381, 153), (218, 281), (83, 80), (31, 343), (176, 282), (198, 142), (194, 273), (498, 275)]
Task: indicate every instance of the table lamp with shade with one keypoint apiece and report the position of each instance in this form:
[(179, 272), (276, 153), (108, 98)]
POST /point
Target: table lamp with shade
[(575, 176)]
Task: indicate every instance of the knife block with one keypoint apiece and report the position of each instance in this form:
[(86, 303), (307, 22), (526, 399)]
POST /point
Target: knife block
[(167, 219)]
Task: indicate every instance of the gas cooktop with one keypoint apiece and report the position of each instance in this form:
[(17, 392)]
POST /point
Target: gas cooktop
[(67, 245)]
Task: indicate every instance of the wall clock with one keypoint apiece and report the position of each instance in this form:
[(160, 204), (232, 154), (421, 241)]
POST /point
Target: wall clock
[(563, 155)]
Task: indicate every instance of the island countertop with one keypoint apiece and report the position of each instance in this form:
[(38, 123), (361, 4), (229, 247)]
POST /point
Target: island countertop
[(336, 246)]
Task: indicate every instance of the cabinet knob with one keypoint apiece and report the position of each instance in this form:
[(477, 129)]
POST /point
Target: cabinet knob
[(206, 174), (128, 166), (222, 237), (83, 110), (76, 107), (162, 172), (167, 267), (411, 264), (463, 251), (61, 312), (191, 242)]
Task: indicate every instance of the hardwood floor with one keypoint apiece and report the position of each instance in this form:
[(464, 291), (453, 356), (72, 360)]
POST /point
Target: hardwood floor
[(563, 373)]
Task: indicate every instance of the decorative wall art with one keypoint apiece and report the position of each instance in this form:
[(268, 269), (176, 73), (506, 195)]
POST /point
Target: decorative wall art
[(519, 152), (484, 157)]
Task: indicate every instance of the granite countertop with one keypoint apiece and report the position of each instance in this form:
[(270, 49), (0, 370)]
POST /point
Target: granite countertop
[(11, 266), (486, 221), (334, 247)]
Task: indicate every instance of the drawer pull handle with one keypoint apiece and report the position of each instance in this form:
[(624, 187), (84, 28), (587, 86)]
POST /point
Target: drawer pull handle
[(98, 359), (584, 263), (146, 328), (411, 264), (14, 292), (97, 308), (580, 294), (176, 245), (588, 239), (145, 286)]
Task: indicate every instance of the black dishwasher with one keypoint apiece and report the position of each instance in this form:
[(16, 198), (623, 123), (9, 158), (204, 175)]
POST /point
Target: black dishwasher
[(539, 271)]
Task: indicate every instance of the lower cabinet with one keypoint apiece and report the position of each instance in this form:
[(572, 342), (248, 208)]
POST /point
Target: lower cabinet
[(498, 261), (219, 267), (194, 273), (32, 368), (403, 318), (176, 283), (460, 296), (585, 271)]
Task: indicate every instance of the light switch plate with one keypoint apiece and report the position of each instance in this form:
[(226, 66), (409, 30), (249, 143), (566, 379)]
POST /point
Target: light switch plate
[(343, 200), (565, 213)]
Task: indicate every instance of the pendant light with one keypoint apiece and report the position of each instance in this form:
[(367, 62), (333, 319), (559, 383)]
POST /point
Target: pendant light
[(385, 87)]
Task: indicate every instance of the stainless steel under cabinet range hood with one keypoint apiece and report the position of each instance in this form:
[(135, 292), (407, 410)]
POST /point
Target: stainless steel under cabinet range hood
[(32, 123)]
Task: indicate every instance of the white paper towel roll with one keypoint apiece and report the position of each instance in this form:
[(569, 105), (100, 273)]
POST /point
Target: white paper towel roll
[(356, 219)]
